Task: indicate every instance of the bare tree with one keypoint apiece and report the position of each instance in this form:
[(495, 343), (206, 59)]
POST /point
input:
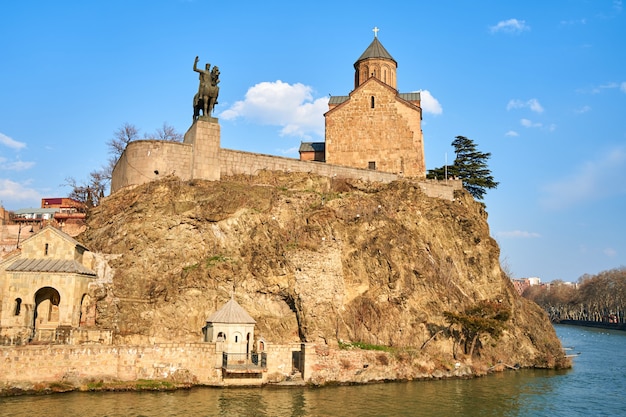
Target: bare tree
[(90, 192), (122, 137), (166, 132)]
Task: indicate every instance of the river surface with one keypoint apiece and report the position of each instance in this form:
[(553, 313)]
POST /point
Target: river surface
[(596, 386)]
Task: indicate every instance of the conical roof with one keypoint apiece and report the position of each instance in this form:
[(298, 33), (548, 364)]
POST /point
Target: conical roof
[(375, 50), (231, 313)]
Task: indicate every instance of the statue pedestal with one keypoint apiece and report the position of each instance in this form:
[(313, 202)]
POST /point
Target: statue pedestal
[(204, 136)]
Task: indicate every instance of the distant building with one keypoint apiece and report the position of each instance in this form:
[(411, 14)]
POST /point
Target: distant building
[(521, 284), (32, 216), (70, 216), (64, 204), (534, 281)]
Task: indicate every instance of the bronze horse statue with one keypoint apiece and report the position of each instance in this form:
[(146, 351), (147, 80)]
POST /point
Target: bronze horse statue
[(206, 97)]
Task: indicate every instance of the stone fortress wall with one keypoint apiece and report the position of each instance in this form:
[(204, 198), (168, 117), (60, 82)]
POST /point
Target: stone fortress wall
[(200, 157)]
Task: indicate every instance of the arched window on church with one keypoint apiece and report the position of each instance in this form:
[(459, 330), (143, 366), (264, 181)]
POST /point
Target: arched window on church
[(18, 306), (372, 104)]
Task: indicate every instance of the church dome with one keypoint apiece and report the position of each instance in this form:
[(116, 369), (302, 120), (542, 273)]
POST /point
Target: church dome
[(375, 62)]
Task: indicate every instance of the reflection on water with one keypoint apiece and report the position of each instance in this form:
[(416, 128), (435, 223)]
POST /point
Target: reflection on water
[(593, 387)]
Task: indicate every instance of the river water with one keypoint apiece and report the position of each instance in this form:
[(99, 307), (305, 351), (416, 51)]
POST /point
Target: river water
[(594, 387)]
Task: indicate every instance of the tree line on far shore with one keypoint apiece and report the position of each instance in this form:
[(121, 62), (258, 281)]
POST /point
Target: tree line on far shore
[(599, 298)]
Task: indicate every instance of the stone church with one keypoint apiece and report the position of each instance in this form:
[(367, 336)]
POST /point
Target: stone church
[(44, 289), (374, 127)]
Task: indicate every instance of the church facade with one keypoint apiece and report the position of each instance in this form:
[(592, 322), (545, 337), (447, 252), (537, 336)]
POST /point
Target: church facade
[(375, 127)]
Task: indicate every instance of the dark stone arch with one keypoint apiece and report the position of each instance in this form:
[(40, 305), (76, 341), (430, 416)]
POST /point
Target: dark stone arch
[(46, 298)]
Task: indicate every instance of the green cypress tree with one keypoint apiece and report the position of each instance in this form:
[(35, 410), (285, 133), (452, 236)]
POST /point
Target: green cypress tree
[(470, 166)]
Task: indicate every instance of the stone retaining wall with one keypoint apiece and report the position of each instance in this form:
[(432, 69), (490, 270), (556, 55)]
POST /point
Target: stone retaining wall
[(54, 363)]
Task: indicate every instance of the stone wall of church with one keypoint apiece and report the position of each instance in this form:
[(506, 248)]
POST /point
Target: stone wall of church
[(46, 244), (376, 130), (23, 286)]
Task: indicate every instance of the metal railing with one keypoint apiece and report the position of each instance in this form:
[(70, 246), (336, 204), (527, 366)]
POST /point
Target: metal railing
[(244, 361)]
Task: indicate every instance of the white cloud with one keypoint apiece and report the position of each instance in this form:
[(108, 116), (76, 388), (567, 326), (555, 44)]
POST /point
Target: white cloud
[(15, 165), (12, 191), (290, 151), (518, 234), (610, 252), (583, 109), (623, 87), (290, 106), (594, 180), (11, 143), (607, 86), (574, 21), (511, 133), (514, 104), (510, 26), (533, 104), (429, 103), (617, 5), (529, 123)]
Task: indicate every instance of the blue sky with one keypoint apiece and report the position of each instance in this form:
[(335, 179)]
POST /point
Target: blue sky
[(539, 84)]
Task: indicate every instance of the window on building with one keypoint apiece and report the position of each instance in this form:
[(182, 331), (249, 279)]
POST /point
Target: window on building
[(372, 104), (371, 165), (46, 250), (18, 306)]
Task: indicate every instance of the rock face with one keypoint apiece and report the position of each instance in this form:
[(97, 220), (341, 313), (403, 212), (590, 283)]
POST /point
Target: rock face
[(312, 259)]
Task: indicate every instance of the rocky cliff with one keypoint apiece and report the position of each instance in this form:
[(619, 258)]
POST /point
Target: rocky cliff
[(314, 259)]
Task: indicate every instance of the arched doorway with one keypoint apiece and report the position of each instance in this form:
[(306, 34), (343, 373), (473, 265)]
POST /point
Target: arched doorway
[(47, 300)]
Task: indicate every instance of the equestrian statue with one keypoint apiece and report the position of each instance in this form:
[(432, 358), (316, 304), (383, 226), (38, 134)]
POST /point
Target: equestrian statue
[(206, 97)]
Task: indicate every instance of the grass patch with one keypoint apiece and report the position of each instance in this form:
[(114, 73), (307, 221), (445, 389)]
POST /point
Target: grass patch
[(364, 346), (214, 260), (190, 268), (139, 385)]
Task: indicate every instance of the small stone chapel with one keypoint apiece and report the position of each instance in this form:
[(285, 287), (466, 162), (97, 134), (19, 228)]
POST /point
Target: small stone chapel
[(233, 326), (44, 289)]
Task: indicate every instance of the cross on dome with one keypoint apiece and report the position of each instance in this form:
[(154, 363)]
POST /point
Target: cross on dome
[(375, 30)]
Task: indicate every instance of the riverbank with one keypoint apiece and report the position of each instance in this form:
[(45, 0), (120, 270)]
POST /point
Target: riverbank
[(66, 386), (595, 324)]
